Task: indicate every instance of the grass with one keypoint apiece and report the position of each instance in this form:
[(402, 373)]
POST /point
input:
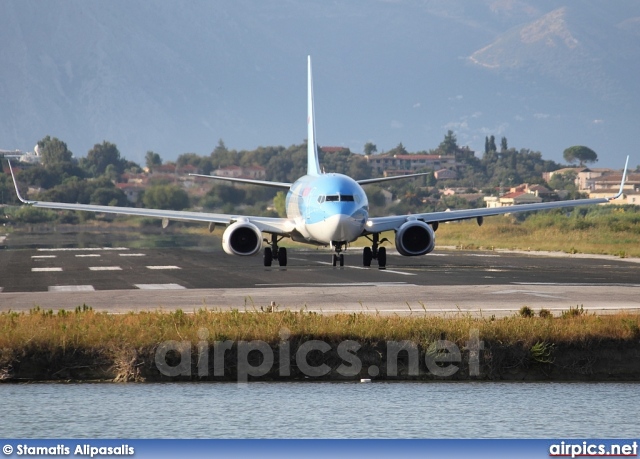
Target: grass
[(614, 231), (86, 329)]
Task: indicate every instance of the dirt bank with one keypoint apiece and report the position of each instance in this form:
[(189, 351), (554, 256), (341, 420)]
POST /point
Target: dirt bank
[(607, 360)]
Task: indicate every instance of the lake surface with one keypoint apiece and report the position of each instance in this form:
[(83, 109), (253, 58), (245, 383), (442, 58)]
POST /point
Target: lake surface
[(320, 410)]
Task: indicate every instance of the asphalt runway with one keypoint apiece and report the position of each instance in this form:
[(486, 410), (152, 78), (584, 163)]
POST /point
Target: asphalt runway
[(120, 279)]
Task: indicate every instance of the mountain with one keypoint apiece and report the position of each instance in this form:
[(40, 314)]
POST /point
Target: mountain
[(175, 77)]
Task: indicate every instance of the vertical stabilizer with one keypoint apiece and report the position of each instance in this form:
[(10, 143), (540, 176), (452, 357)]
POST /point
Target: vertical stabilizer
[(313, 166)]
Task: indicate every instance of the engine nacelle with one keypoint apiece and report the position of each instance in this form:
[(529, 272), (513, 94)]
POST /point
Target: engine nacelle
[(242, 238), (415, 238)]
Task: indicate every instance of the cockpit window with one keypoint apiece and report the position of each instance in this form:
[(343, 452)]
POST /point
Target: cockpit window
[(336, 198)]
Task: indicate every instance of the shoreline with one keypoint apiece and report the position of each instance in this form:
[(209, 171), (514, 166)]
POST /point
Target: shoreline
[(287, 346)]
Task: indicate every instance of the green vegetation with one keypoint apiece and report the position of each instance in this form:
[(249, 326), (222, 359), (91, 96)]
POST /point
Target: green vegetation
[(613, 230), (581, 154), (83, 327), (43, 344)]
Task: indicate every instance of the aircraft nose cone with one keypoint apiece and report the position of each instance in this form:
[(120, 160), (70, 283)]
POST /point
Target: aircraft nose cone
[(343, 228)]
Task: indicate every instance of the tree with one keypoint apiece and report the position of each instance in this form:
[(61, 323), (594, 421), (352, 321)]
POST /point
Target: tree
[(221, 148), (279, 202), (450, 143), (398, 150), (492, 144), (101, 156), (503, 144), (580, 153), (566, 181), (152, 159), (370, 149), (53, 152), (166, 197)]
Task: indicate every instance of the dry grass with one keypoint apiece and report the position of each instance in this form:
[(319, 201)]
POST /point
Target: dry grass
[(48, 331), (613, 235)]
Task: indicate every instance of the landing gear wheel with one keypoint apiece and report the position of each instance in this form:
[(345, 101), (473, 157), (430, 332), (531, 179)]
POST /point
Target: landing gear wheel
[(382, 257), (341, 259), (268, 256), (367, 256), (334, 259), (282, 256)]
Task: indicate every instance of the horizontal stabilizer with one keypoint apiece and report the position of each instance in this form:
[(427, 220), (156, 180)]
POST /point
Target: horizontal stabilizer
[(281, 185), (386, 179)]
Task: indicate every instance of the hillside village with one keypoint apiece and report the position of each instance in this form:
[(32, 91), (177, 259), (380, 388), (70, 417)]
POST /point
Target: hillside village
[(587, 181), (457, 178)]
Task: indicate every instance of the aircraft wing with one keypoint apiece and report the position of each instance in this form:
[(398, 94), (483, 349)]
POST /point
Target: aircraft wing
[(380, 224), (266, 224), (281, 185)]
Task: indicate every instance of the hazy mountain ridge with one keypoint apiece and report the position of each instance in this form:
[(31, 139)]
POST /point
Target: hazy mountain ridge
[(176, 77)]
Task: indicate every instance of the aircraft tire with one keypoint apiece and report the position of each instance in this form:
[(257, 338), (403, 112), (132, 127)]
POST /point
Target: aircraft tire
[(382, 257), (367, 256), (282, 256)]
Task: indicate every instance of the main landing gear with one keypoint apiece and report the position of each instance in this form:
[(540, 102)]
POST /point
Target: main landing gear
[(274, 252), (374, 252)]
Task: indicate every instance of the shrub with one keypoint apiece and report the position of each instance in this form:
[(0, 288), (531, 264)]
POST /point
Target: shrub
[(526, 311)]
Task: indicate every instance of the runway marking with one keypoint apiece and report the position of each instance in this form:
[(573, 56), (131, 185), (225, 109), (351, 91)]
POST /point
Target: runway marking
[(164, 267), (81, 249), (372, 268), (105, 268), (397, 272), (160, 286), (71, 288), (580, 284), (132, 254), (482, 255), (88, 255), (336, 284), (44, 256), (45, 270), (1, 289), (525, 292)]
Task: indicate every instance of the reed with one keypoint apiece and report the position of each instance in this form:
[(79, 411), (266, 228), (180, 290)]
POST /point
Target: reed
[(47, 331)]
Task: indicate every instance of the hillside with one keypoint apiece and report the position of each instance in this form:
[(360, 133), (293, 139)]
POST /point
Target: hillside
[(176, 77)]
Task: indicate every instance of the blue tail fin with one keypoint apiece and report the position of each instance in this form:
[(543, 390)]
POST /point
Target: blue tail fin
[(313, 166)]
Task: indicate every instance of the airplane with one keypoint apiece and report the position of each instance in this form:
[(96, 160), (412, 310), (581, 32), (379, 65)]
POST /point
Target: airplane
[(323, 209)]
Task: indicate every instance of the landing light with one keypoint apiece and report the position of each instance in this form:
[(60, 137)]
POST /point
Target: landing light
[(369, 223)]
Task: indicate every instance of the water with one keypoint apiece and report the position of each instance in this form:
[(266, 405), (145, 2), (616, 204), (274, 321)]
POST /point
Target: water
[(320, 410)]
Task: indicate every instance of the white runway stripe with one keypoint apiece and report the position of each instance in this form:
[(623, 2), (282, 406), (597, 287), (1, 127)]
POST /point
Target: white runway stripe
[(71, 288), (44, 256), (44, 270), (132, 254), (372, 267), (163, 267), (159, 286), (105, 268), (83, 255), (81, 249)]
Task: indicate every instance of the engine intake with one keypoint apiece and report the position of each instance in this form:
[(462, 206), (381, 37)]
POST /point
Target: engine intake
[(415, 238), (242, 238)]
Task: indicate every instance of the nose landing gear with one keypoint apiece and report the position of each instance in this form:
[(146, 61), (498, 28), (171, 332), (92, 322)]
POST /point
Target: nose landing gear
[(338, 257)]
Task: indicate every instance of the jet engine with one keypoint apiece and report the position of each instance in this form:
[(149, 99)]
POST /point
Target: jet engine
[(242, 238), (415, 238)]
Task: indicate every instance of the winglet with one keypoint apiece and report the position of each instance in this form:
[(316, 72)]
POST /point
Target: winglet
[(15, 184), (624, 179), (313, 165)]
